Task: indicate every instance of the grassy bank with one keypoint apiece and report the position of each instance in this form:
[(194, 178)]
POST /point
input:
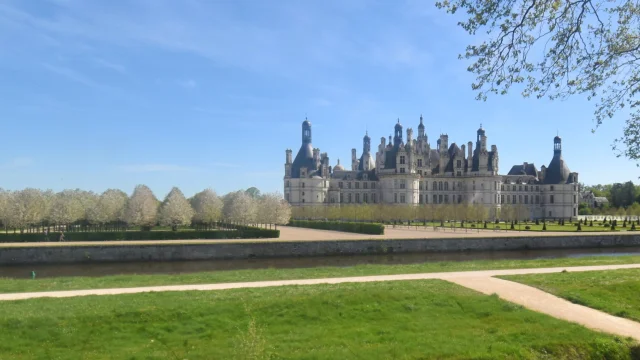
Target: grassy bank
[(615, 291), (118, 281), (403, 320), (519, 227)]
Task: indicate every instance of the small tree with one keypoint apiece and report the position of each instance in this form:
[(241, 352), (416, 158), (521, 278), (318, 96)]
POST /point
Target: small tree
[(207, 207), (579, 227), (175, 210), (544, 226), (142, 208)]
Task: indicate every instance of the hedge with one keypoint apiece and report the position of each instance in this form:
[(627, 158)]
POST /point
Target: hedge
[(354, 227), (242, 233)]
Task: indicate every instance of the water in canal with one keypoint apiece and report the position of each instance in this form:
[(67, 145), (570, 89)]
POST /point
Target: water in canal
[(177, 267)]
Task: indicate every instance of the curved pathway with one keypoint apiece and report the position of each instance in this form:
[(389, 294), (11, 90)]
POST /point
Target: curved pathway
[(482, 281)]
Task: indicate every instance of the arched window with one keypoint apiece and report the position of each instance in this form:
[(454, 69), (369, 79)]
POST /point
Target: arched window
[(446, 185), (435, 186), (440, 185)]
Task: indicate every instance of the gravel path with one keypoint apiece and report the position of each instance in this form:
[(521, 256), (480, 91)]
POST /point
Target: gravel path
[(482, 281)]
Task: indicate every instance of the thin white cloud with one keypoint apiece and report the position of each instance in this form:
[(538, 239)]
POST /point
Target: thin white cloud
[(142, 168), (71, 75), (109, 65), (227, 165), (188, 83), (17, 163)]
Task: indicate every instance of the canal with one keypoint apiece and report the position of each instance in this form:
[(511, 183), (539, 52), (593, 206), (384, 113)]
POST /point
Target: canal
[(178, 267)]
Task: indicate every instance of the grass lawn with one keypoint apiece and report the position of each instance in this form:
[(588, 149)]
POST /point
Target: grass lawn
[(428, 319), (117, 281), (616, 292), (521, 226)]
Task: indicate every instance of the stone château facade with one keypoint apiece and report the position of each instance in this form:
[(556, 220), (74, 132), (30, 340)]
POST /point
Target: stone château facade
[(411, 172)]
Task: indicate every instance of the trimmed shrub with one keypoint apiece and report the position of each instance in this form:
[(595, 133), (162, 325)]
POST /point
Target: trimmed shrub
[(512, 227), (544, 226), (527, 227), (579, 227), (244, 232), (360, 228), (613, 227), (591, 223), (633, 227)]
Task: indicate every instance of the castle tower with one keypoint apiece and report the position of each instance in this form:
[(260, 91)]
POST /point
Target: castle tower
[(397, 140), (421, 129)]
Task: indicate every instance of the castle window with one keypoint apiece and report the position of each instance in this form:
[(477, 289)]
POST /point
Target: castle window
[(435, 186), (537, 188), (419, 162), (458, 173), (365, 198), (453, 185), (501, 199), (357, 185), (365, 185), (502, 187), (302, 200), (474, 184), (446, 199), (357, 198), (526, 188), (520, 199), (459, 164), (526, 199), (513, 199), (303, 185), (426, 185), (303, 193), (401, 170), (402, 184), (348, 185), (420, 187), (373, 185), (459, 199), (420, 198), (508, 199), (340, 185), (537, 199), (401, 160), (446, 185), (402, 198), (288, 184), (551, 199), (551, 187), (341, 198), (435, 199), (348, 198), (482, 186), (440, 185), (574, 199)]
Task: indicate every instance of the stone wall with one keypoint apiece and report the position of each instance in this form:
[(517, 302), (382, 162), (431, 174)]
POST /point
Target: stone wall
[(229, 250)]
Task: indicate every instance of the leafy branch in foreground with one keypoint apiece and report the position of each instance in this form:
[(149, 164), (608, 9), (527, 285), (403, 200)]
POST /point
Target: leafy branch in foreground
[(556, 49)]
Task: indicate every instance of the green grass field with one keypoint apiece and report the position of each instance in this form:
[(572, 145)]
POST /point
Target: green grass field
[(76, 283), (597, 227), (616, 292), (391, 320)]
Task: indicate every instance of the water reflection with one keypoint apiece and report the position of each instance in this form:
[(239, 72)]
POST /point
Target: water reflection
[(178, 267)]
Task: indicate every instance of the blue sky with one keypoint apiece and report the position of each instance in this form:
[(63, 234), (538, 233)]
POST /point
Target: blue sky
[(109, 94)]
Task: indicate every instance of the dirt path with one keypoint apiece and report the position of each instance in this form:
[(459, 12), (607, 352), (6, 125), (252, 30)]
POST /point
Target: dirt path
[(482, 281)]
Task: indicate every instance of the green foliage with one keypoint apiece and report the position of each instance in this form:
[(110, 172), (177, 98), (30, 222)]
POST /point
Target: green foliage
[(427, 319), (555, 50), (242, 232), (354, 227)]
